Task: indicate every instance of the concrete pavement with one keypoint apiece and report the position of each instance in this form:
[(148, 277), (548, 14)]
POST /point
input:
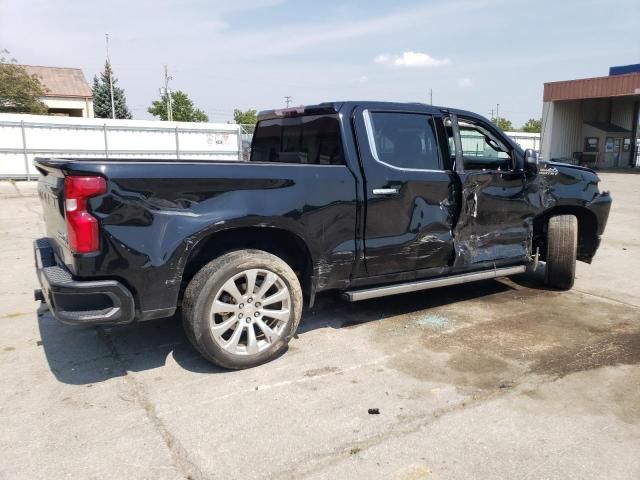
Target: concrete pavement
[(18, 188)]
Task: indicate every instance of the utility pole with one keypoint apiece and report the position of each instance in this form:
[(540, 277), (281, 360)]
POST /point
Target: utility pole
[(431, 96), (167, 93), (113, 104), (497, 113), (287, 99)]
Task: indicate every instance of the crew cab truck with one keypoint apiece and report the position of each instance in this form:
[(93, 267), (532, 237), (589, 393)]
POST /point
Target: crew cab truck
[(367, 198)]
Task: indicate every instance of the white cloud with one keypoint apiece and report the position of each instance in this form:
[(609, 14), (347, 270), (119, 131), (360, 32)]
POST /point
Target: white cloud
[(410, 60), (465, 83)]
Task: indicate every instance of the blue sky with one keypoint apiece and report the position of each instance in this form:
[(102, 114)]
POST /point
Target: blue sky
[(250, 54)]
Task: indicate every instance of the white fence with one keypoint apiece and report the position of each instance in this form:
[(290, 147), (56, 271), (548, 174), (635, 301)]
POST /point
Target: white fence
[(526, 140), (475, 142), (24, 137)]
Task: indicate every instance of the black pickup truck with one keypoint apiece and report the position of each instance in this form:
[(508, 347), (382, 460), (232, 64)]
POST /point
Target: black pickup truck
[(366, 198)]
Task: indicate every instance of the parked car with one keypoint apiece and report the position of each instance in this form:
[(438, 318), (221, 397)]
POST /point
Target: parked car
[(367, 198)]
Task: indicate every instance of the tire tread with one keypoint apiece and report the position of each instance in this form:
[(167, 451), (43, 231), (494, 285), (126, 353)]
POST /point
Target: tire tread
[(562, 249)]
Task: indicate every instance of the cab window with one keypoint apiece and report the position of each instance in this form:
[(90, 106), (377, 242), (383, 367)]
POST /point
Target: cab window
[(481, 149), (310, 139)]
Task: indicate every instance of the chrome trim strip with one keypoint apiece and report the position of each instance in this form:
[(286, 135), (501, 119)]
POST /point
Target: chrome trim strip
[(367, 293), (386, 191)]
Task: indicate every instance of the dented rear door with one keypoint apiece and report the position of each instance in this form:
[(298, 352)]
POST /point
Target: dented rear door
[(409, 204)]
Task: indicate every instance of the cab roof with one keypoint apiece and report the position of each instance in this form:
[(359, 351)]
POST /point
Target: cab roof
[(349, 106)]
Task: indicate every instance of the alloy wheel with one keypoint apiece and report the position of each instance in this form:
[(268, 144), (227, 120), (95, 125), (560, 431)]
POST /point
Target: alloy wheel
[(250, 311)]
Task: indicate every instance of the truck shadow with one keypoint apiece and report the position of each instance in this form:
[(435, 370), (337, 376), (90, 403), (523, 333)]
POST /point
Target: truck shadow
[(85, 355), (332, 311)]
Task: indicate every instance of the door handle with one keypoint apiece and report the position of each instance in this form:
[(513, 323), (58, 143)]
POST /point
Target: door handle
[(386, 191)]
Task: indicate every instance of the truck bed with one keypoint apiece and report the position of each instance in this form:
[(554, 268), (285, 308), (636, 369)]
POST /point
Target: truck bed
[(155, 214)]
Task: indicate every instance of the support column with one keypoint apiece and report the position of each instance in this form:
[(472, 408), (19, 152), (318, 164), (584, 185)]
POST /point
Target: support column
[(177, 144), (634, 135), (106, 142), (24, 150)]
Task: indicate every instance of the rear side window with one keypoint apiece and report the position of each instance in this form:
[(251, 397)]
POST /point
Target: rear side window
[(313, 139), (405, 140)]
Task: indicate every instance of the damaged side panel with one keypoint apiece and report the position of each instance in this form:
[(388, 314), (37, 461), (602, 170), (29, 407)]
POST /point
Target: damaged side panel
[(410, 204), (411, 230), (571, 189), (495, 221), (150, 226)]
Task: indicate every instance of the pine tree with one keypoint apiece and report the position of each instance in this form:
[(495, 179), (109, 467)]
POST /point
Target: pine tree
[(102, 96)]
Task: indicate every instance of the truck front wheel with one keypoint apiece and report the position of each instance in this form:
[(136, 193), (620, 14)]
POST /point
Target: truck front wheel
[(241, 309), (562, 249)]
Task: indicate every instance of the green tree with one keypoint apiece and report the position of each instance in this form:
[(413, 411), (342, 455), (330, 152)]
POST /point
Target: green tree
[(532, 126), (19, 91), (248, 117), (102, 95), (183, 109), (503, 124)]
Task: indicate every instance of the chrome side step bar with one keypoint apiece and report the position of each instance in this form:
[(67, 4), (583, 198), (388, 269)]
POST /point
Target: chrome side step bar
[(367, 293)]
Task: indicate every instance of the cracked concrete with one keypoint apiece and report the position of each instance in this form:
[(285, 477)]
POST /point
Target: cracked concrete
[(179, 454), (500, 379)]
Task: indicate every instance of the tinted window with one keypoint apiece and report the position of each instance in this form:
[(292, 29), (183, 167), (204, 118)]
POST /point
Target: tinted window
[(313, 139), (405, 140)]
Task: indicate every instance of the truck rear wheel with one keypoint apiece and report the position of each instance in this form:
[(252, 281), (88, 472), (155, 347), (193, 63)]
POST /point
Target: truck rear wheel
[(241, 309), (562, 249)]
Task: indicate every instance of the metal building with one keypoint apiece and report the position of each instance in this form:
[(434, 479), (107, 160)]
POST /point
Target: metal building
[(593, 121)]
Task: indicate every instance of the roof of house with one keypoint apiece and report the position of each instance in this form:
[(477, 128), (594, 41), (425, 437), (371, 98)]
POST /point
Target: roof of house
[(61, 81), (597, 87)]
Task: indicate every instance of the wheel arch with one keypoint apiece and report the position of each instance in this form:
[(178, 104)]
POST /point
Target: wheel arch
[(283, 243), (588, 239)]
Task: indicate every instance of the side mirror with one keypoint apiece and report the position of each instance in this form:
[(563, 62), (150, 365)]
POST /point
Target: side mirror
[(532, 161)]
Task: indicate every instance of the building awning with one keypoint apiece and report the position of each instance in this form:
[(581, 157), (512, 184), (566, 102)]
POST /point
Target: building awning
[(598, 87), (61, 81), (608, 127)]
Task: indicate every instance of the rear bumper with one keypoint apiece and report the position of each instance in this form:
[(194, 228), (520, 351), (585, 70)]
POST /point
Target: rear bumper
[(80, 302)]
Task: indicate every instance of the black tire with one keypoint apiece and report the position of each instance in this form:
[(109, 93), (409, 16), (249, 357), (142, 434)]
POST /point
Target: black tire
[(206, 285), (562, 249)]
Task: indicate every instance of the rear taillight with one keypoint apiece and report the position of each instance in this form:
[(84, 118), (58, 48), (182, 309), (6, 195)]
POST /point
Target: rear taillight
[(82, 227)]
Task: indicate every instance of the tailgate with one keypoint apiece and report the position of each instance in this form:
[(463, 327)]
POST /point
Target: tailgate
[(51, 193)]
